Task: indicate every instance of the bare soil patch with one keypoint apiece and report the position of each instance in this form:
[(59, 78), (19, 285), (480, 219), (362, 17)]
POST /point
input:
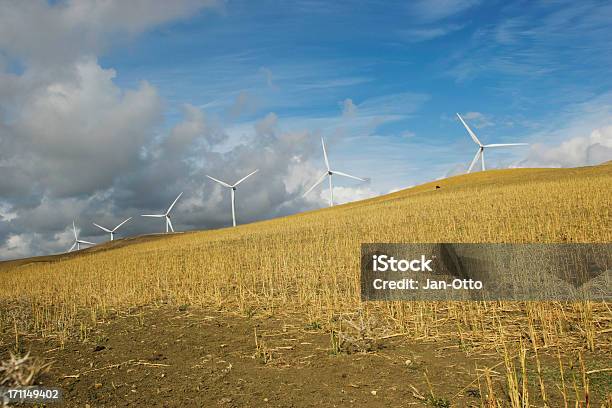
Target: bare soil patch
[(168, 357)]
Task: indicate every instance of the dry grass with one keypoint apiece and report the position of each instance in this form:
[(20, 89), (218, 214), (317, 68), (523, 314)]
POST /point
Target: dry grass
[(308, 264), (21, 371)]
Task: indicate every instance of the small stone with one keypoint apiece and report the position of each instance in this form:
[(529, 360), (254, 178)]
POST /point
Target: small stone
[(97, 385), (265, 400), (408, 362), (373, 392)]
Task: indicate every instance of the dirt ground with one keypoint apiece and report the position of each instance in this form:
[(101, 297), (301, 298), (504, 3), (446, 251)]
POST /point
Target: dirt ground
[(199, 358)]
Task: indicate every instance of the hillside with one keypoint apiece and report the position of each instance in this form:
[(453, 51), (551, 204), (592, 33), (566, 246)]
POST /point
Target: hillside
[(517, 205), (295, 281)]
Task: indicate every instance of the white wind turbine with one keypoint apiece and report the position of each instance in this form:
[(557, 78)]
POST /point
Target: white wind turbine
[(232, 188), (481, 147), (77, 241), (166, 214), (329, 173), (112, 232)]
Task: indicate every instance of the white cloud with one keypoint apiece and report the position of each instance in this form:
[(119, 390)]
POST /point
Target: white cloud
[(477, 119), (81, 131), (268, 125), (41, 32), (349, 109), (588, 150), (6, 213), (15, 246), (300, 176), (267, 72), (344, 195), (244, 103)]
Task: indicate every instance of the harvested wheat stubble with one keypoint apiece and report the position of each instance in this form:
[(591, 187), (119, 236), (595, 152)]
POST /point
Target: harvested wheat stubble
[(308, 264)]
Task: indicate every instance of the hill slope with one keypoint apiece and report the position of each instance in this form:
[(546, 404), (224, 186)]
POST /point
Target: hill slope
[(303, 269), (309, 262), (478, 183), (517, 205)]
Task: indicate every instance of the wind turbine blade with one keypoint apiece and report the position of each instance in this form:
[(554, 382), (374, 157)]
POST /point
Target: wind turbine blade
[(153, 215), (169, 224), (469, 130), (101, 227), (348, 175), (325, 153), (506, 144), (319, 181), (474, 161), (174, 202), (117, 227), (85, 242), (74, 229), (224, 184), (244, 178), (72, 247)]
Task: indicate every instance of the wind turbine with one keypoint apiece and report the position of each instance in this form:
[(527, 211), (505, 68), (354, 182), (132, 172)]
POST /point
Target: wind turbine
[(329, 173), (481, 147), (112, 232), (232, 188), (165, 215), (77, 241)]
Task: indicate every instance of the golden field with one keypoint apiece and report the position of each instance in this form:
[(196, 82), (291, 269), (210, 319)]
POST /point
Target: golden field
[(307, 265)]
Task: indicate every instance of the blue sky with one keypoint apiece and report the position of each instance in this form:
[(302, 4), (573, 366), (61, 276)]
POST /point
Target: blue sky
[(408, 67), (109, 109)]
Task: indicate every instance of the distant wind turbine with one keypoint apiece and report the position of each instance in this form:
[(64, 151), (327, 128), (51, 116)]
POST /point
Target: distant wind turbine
[(329, 173), (112, 232), (481, 147), (77, 241), (232, 188), (166, 214)]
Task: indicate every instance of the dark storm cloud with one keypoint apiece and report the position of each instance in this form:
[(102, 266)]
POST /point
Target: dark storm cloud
[(88, 151)]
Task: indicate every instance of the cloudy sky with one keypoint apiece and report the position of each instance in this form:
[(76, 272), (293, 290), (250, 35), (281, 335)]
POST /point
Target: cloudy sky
[(109, 109)]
